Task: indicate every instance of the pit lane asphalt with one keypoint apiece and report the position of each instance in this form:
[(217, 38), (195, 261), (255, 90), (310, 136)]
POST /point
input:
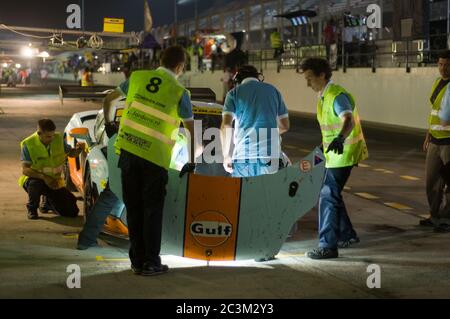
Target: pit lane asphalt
[(34, 255)]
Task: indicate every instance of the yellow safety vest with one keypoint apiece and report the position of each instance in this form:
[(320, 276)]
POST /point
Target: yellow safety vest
[(48, 164), (86, 80), (437, 130), (149, 126), (355, 148), (275, 40)]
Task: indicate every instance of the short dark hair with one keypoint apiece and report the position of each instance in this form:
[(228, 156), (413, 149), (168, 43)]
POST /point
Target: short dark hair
[(317, 66), (246, 71), (445, 55), (46, 125), (173, 56)]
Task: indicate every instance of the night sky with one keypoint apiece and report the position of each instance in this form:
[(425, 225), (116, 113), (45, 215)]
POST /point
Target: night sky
[(52, 13)]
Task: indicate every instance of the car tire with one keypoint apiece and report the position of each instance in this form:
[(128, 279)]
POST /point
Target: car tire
[(90, 194)]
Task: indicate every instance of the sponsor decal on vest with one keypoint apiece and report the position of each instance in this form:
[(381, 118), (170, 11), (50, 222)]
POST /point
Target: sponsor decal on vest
[(211, 229), (138, 97), (137, 141)]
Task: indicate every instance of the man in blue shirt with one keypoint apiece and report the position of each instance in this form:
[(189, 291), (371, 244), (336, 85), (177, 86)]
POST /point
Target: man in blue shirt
[(260, 117)]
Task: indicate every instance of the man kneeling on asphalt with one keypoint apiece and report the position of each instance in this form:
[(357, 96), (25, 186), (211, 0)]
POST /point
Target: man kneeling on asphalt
[(43, 155)]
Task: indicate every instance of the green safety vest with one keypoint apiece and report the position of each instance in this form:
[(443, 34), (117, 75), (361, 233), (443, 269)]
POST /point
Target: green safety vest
[(437, 130), (275, 40), (48, 164), (355, 148), (149, 126)]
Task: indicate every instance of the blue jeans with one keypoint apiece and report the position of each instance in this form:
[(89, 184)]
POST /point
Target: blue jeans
[(334, 223), (252, 168), (96, 218)]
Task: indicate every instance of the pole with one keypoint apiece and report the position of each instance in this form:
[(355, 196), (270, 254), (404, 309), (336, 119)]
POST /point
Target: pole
[(196, 13), (82, 15), (175, 12)]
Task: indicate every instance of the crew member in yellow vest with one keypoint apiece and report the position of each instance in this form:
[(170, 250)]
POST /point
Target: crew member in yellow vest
[(437, 146), (345, 147), (43, 155), (277, 44), (86, 78), (156, 105)]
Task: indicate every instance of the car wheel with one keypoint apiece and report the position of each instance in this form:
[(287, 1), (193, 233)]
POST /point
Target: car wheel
[(90, 194)]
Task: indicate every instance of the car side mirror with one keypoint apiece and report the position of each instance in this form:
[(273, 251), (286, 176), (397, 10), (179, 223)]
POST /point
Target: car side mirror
[(81, 133)]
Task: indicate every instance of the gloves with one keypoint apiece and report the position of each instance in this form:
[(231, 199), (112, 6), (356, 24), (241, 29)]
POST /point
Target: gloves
[(187, 169), (337, 146)]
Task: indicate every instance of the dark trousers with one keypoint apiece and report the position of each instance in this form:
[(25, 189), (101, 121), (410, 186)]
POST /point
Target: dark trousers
[(144, 191), (62, 200), (334, 223)]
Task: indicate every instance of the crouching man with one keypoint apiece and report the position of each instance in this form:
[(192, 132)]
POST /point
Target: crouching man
[(43, 155)]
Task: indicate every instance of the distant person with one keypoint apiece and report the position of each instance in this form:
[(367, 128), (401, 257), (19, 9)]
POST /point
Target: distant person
[(276, 44), (44, 76), (437, 146), (330, 38), (43, 155), (87, 78)]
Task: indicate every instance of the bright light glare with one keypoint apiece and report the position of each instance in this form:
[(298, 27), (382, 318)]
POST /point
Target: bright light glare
[(44, 54), (27, 52), (18, 65)]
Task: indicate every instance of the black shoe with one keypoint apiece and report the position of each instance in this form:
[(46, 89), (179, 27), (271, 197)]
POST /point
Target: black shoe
[(33, 215), (442, 228), (137, 270), (81, 246), (348, 243), (427, 223), (151, 270), (323, 253)]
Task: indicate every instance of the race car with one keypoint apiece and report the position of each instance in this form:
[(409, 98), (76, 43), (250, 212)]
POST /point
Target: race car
[(209, 215)]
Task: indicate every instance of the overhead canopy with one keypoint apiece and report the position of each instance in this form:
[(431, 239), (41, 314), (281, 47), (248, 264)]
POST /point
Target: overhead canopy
[(298, 13)]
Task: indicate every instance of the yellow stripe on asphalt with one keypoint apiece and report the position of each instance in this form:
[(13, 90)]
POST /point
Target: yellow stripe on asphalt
[(101, 258), (410, 178), (363, 165), (305, 150), (70, 235), (382, 170), (367, 196), (425, 216), (290, 147), (347, 188), (398, 206)]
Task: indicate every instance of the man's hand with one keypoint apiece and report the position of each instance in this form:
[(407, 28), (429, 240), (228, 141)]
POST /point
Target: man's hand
[(337, 146), (187, 169), (227, 165)]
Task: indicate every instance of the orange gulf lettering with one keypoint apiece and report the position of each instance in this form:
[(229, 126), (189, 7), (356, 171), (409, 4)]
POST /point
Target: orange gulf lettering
[(212, 215)]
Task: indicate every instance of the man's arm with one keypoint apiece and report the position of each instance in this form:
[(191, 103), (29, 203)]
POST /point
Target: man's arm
[(28, 171), (348, 124), (107, 103), (227, 138), (189, 126), (284, 125)]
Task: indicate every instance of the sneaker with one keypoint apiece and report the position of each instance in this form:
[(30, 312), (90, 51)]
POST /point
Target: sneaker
[(427, 223), (442, 228), (81, 246), (348, 243), (137, 270), (151, 270), (33, 215), (323, 253)]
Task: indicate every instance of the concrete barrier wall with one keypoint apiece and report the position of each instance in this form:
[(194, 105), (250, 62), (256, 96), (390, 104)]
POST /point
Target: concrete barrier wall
[(389, 96)]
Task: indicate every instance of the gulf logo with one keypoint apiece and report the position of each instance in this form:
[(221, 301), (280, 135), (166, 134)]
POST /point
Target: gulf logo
[(211, 229)]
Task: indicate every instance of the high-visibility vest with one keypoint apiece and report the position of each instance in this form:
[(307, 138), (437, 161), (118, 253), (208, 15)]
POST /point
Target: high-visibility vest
[(355, 148), (41, 161), (149, 126), (275, 40), (437, 130), (86, 79)]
